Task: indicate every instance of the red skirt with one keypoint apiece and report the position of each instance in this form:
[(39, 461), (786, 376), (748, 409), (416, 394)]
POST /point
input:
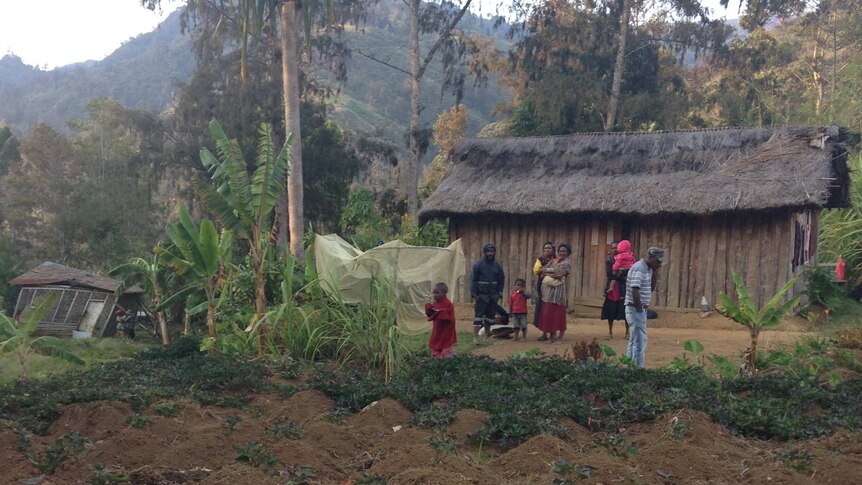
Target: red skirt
[(552, 318)]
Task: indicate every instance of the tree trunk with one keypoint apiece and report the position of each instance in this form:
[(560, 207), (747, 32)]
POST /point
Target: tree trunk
[(187, 321), (290, 79), (212, 333), (752, 356), (163, 328), (160, 315), (619, 68), (412, 172), (260, 302)]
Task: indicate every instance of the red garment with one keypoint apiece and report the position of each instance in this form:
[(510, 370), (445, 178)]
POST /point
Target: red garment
[(840, 269), (624, 259), (553, 317), (442, 313), (518, 303), (614, 295)]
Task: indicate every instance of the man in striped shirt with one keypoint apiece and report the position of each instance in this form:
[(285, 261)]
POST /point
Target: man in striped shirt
[(639, 287)]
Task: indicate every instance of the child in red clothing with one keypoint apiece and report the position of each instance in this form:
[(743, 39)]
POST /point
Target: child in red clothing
[(518, 307), (442, 313)]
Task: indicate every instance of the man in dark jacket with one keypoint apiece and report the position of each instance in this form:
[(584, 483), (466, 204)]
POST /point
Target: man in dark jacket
[(486, 285)]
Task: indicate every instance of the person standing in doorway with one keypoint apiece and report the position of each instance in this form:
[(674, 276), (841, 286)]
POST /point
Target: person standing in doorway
[(486, 286), (639, 290), (549, 252)]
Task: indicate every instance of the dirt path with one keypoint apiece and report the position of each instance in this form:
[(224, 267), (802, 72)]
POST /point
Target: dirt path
[(667, 334)]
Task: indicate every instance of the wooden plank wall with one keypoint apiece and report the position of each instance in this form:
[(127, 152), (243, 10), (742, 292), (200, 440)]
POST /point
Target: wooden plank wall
[(701, 252), (519, 242)]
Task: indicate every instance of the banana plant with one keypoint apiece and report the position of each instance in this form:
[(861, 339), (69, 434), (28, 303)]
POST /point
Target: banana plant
[(244, 204), (17, 337), (746, 313), (199, 256), (154, 276)]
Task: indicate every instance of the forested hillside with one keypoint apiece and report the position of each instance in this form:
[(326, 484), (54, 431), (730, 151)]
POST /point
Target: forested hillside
[(555, 69), (145, 73)]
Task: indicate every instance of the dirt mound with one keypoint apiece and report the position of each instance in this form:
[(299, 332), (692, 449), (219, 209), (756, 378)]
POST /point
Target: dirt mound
[(202, 444), (534, 456), (305, 406), (685, 446), (93, 420), (575, 433), (466, 422), (336, 440), (411, 464), (431, 476), (385, 412), (155, 476)]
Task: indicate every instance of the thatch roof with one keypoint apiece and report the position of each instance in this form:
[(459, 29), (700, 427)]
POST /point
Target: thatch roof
[(49, 273), (694, 172)]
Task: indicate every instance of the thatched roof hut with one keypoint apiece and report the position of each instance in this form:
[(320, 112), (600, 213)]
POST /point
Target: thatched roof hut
[(632, 184), (85, 301)]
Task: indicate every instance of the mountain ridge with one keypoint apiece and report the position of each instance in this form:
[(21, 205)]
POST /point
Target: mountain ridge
[(145, 72)]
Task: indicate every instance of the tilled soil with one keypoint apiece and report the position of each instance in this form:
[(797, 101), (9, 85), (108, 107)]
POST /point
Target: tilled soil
[(202, 445)]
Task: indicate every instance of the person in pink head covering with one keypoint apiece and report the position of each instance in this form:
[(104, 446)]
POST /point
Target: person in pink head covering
[(622, 259)]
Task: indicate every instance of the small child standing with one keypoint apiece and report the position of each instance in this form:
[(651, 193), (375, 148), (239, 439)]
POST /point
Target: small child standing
[(518, 307), (624, 259), (442, 312)]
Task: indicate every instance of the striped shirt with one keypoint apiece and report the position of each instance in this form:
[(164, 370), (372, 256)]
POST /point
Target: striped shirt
[(640, 276)]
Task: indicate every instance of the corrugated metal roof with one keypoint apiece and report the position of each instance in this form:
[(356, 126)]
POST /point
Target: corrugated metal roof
[(49, 273)]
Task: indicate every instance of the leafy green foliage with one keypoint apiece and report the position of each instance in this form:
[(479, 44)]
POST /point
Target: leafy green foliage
[(373, 479), (300, 474), (568, 472), (48, 460), (197, 255), (102, 475), (443, 445), (287, 430), (175, 371), (17, 337), (840, 235), (256, 455), (797, 460), (746, 313), (167, 409), (139, 421)]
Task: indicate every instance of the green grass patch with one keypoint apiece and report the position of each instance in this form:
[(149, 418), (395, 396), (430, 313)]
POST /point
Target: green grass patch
[(180, 370), (91, 351)]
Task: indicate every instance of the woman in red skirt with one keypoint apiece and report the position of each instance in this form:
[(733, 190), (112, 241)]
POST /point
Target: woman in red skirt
[(552, 320)]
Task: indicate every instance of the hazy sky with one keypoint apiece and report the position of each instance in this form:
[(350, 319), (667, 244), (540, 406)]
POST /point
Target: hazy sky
[(58, 32)]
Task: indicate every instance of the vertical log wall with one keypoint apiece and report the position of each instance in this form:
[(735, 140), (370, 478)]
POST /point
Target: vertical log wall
[(700, 251)]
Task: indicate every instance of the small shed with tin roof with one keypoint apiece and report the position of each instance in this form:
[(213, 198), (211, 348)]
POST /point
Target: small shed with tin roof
[(86, 301)]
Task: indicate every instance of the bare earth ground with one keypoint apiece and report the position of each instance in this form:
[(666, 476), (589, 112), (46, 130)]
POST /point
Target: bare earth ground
[(666, 335), (199, 446)]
